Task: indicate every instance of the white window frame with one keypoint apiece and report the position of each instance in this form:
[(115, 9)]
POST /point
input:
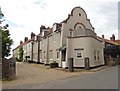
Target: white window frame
[(40, 55), (44, 55), (98, 55), (58, 55), (77, 55), (53, 38), (51, 55), (95, 56)]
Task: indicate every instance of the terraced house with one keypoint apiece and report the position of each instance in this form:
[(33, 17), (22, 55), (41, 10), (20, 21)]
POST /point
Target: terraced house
[(74, 37)]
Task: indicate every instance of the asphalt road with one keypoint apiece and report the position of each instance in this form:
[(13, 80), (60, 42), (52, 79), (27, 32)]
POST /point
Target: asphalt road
[(105, 79), (35, 76)]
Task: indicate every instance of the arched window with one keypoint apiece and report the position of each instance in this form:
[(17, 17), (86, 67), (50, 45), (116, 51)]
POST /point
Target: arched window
[(79, 29)]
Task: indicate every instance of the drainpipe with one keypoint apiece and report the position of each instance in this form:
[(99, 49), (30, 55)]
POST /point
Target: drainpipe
[(47, 52), (38, 51), (32, 51)]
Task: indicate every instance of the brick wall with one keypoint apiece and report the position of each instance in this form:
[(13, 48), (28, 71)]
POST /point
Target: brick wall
[(8, 69)]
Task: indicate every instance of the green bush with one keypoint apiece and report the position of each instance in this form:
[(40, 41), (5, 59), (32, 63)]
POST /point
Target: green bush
[(54, 64), (30, 61)]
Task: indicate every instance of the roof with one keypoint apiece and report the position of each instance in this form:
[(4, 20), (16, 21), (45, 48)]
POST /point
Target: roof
[(108, 41), (24, 43), (117, 41)]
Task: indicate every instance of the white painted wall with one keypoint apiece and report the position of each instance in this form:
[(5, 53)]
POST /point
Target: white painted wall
[(89, 44)]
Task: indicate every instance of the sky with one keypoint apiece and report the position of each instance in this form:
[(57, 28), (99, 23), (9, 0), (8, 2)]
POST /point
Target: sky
[(26, 16)]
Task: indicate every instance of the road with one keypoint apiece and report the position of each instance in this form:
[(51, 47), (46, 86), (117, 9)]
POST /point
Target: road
[(30, 75), (105, 79), (36, 76)]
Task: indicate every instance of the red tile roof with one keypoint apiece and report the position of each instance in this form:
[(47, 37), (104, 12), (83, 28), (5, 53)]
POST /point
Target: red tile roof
[(117, 41), (108, 41), (24, 43)]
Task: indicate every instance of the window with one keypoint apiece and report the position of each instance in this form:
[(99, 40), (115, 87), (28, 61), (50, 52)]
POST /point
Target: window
[(94, 54), (71, 33), (51, 55), (44, 55), (97, 55), (58, 54), (79, 55), (42, 42), (40, 54), (53, 37)]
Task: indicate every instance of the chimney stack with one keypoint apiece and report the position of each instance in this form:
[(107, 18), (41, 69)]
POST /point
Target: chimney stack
[(112, 38), (32, 34), (25, 39), (41, 28), (103, 36), (38, 37), (21, 42)]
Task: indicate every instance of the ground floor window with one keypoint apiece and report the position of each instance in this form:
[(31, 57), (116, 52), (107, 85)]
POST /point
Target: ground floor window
[(58, 54), (79, 55), (40, 54), (96, 55), (44, 54), (51, 55)]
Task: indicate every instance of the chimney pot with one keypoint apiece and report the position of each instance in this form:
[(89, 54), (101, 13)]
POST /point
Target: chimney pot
[(32, 34), (103, 36), (21, 42), (25, 39), (113, 37)]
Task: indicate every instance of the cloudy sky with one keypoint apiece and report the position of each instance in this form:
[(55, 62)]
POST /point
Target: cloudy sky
[(26, 16)]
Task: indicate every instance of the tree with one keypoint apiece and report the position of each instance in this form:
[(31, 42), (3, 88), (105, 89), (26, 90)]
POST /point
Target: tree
[(6, 43), (5, 36), (113, 51), (21, 54)]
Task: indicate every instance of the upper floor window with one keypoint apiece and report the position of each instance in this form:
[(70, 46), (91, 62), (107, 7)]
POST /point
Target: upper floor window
[(42, 42), (53, 37), (71, 33)]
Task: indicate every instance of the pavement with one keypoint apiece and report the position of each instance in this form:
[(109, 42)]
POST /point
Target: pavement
[(84, 70), (29, 75)]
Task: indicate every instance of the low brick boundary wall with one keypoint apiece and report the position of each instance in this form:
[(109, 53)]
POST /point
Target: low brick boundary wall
[(8, 69)]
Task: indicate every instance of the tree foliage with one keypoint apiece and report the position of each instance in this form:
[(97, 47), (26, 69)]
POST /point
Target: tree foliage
[(21, 54), (6, 42), (112, 51)]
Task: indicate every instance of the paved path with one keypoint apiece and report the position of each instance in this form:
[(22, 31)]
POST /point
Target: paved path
[(38, 76)]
